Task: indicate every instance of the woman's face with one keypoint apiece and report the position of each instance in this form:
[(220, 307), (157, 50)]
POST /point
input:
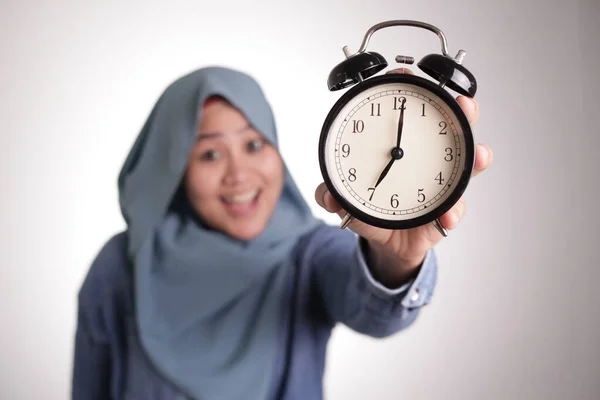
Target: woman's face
[(234, 176)]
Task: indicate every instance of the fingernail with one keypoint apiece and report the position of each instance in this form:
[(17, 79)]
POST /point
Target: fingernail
[(455, 220), (484, 151), (472, 106)]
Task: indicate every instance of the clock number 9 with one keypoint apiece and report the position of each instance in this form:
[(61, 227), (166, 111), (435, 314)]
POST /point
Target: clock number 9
[(346, 150)]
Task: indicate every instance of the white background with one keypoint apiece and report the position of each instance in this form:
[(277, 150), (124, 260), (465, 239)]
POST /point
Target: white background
[(515, 314)]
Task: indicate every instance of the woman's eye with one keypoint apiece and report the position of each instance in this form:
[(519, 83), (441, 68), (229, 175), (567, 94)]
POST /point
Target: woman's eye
[(210, 155), (256, 145)]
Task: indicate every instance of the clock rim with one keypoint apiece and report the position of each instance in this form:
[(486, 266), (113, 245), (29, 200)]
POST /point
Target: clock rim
[(469, 151)]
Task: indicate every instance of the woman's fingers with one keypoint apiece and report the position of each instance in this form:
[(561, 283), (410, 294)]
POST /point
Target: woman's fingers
[(483, 159), (326, 200), (400, 71), (470, 107), (453, 216)]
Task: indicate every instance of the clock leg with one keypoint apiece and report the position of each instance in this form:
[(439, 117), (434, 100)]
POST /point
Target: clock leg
[(440, 228), (345, 221)]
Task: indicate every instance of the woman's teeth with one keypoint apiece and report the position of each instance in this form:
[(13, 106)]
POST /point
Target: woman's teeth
[(241, 198)]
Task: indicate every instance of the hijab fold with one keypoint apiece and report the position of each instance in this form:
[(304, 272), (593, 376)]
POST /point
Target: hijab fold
[(209, 308)]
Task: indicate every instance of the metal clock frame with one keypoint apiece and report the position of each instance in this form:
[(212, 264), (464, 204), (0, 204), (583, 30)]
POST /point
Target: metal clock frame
[(464, 175)]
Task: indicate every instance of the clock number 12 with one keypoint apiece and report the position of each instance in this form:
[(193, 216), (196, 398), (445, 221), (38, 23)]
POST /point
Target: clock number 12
[(398, 103)]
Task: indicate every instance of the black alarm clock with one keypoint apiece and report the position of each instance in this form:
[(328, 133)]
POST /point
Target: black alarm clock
[(396, 151)]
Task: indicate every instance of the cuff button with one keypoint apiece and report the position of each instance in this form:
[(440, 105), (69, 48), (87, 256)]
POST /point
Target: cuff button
[(415, 296)]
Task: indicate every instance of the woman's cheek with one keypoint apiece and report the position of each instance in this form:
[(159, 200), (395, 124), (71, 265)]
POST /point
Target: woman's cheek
[(275, 164), (202, 179)]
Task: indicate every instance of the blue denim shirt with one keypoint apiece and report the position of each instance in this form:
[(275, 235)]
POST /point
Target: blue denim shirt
[(331, 284)]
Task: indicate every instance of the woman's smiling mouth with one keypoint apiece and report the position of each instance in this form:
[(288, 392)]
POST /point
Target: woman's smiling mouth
[(242, 204)]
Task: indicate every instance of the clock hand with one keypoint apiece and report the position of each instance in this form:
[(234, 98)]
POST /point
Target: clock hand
[(385, 171), (397, 154), (401, 122)]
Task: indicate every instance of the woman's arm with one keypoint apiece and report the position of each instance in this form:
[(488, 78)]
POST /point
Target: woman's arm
[(353, 296), (91, 365)]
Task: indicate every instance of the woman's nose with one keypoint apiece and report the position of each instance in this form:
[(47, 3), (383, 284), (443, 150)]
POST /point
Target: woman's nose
[(237, 171)]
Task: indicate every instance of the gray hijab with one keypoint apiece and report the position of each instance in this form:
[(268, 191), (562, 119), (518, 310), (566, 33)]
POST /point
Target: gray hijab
[(209, 308)]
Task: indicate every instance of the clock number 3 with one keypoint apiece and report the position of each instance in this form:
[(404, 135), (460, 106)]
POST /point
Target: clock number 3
[(449, 157)]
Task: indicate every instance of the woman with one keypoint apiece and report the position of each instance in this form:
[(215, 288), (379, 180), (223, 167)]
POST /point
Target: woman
[(223, 285)]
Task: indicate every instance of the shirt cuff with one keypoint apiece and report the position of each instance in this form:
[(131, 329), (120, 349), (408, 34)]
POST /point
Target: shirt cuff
[(415, 293)]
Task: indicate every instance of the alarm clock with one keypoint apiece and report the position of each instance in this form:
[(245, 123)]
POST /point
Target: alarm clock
[(396, 151)]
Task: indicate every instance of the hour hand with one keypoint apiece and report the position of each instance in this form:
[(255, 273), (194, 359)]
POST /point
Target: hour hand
[(385, 171), (397, 154)]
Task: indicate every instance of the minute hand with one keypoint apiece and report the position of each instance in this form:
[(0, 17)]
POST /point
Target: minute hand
[(400, 122), (397, 152)]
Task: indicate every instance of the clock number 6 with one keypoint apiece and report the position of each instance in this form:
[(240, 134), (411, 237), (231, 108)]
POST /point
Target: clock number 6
[(394, 201)]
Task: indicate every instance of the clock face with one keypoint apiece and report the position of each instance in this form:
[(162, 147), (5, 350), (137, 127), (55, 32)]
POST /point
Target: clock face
[(395, 153)]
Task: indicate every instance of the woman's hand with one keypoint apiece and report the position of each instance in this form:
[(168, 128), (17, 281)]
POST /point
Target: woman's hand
[(394, 256)]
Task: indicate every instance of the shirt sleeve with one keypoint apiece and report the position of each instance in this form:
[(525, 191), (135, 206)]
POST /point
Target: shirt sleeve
[(352, 296), (91, 365), (415, 293)]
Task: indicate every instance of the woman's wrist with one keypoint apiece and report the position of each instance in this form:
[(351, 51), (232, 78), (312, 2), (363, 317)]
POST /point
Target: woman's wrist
[(390, 269)]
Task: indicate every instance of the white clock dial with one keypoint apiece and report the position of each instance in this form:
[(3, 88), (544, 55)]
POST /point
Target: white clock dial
[(359, 147)]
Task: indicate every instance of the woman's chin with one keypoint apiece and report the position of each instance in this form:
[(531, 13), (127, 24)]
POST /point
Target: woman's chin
[(246, 231)]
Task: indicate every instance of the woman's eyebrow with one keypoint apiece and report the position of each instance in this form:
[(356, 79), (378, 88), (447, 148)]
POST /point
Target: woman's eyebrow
[(212, 135), (208, 135)]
